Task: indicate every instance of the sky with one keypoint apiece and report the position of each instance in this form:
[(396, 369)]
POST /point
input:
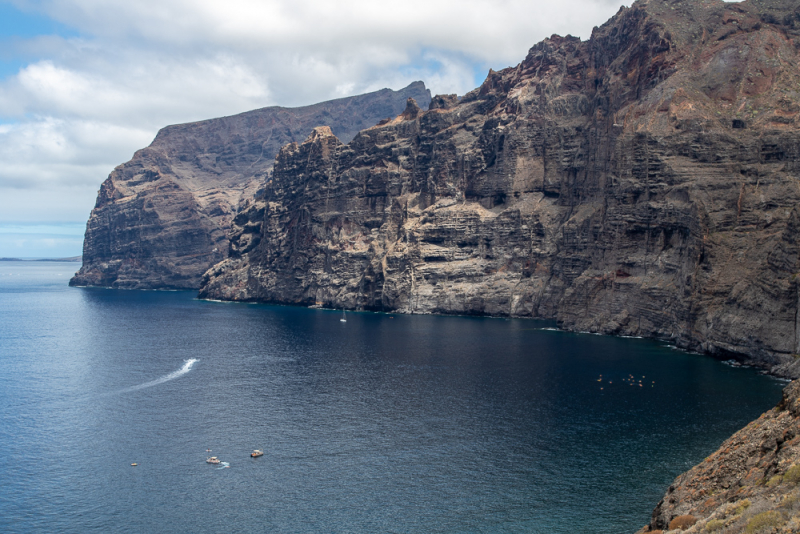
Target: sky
[(85, 83)]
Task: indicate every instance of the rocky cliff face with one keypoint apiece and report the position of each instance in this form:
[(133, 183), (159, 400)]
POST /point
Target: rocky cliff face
[(644, 182), (751, 484), (162, 218)]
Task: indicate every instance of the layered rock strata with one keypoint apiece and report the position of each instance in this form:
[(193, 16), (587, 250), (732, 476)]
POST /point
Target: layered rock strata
[(751, 484), (643, 182), (162, 219)]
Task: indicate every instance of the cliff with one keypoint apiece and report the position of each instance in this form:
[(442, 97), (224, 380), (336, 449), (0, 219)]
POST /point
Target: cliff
[(643, 183), (162, 219), (749, 485)]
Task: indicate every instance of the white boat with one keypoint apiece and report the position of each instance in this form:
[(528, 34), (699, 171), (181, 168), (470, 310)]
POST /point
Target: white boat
[(344, 317), (256, 453), (213, 460)]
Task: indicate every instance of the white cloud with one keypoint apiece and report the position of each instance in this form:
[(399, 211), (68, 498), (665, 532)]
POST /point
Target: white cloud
[(87, 103), (486, 29), (57, 152)]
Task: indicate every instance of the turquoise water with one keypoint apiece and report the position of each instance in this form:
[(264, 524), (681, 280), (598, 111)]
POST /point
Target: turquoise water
[(383, 423)]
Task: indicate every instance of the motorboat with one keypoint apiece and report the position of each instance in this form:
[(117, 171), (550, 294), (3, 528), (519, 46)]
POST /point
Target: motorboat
[(256, 453), (213, 460)]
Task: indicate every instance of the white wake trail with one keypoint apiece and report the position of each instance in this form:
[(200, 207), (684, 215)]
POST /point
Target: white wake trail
[(187, 366)]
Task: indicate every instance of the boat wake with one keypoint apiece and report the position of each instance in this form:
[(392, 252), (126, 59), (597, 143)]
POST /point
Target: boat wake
[(187, 366), (223, 465)]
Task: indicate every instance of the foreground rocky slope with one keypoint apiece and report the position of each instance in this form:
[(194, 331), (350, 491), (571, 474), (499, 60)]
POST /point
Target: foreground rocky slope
[(643, 182), (162, 218), (751, 484)]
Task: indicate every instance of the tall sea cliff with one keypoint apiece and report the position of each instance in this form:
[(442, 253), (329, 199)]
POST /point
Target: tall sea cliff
[(643, 182), (162, 218)]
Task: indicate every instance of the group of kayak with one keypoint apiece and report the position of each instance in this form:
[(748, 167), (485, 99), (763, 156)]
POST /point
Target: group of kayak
[(214, 460)]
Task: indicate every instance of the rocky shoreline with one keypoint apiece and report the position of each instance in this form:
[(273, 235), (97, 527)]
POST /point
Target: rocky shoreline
[(639, 183)]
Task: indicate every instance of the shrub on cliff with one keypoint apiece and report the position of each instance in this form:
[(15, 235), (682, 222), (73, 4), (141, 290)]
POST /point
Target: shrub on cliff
[(763, 521), (714, 525), (790, 502), (792, 475), (774, 481), (743, 505), (682, 522)]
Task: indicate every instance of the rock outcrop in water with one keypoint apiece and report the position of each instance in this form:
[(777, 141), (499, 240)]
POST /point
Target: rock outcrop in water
[(644, 182), (751, 484), (162, 218)]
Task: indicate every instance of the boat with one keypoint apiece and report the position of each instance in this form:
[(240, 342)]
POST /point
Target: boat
[(256, 453), (344, 317), (213, 460)]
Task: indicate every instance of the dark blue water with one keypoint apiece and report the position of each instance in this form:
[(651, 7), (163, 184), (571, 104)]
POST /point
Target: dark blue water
[(380, 424)]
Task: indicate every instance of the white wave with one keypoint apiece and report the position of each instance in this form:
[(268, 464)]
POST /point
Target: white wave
[(187, 366), (223, 465)]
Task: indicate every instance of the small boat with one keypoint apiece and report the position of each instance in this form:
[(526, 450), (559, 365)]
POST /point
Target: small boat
[(344, 317), (256, 453), (213, 460), (134, 464)]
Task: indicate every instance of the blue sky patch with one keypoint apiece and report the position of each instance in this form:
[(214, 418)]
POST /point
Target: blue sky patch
[(26, 24), (17, 25)]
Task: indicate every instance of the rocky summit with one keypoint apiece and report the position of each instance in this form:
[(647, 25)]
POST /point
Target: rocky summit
[(162, 219), (643, 182)]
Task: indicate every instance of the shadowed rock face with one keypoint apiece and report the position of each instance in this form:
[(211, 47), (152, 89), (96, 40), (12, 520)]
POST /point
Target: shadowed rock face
[(643, 182), (161, 219)]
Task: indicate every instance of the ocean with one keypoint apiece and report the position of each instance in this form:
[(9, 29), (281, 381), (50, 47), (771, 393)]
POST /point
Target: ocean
[(382, 423)]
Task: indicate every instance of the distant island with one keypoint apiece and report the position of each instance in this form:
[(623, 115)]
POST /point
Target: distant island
[(71, 258)]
